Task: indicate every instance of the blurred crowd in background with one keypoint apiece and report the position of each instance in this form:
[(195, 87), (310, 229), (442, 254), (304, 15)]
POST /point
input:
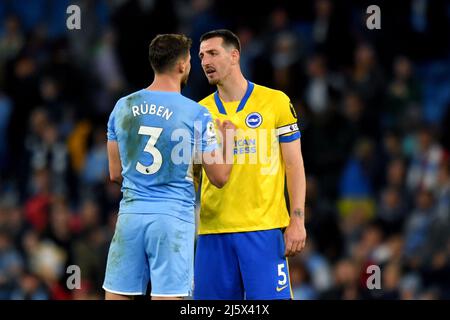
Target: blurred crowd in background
[(373, 109)]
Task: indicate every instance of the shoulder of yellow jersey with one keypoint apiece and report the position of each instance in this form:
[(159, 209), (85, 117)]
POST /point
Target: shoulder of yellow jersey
[(260, 92), (208, 101), (272, 94)]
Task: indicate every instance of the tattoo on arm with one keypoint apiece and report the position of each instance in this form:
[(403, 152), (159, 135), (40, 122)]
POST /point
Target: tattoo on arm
[(299, 213)]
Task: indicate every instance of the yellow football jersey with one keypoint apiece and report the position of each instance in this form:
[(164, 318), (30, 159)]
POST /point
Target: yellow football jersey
[(253, 199)]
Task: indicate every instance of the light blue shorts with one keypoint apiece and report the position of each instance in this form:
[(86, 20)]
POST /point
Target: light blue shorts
[(155, 248)]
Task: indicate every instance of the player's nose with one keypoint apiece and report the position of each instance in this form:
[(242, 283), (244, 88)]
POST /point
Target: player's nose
[(205, 61)]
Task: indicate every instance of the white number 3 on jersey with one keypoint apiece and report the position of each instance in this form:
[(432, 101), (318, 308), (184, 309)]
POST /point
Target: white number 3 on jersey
[(154, 134)]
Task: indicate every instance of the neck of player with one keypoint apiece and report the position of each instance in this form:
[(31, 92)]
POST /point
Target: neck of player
[(165, 82), (233, 88)]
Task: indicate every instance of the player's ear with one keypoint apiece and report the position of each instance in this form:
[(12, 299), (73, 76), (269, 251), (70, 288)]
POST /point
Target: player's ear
[(235, 56), (184, 63), (181, 66)]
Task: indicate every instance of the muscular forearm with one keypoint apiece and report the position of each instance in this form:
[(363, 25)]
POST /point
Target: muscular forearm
[(296, 184), (295, 233)]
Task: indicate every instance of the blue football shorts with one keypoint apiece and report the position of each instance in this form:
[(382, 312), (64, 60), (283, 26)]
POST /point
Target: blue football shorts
[(155, 248), (244, 265)]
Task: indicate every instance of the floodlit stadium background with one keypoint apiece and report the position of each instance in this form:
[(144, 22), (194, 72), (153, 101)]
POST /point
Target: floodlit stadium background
[(373, 109)]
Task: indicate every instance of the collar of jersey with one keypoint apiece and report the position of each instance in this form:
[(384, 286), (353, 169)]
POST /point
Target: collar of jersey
[(248, 92)]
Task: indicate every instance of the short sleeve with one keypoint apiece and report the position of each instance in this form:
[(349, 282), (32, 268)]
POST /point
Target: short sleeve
[(286, 125), (111, 129), (205, 132)]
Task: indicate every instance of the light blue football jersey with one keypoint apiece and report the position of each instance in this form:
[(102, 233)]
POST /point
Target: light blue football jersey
[(158, 134)]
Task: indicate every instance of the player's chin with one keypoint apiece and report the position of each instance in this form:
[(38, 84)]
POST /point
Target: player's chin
[(213, 81)]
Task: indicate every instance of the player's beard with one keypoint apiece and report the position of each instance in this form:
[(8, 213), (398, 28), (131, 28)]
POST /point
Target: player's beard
[(220, 78), (213, 82)]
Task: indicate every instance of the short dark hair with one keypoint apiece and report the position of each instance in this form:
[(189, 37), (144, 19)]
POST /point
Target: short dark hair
[(228, 37), (166, 49)]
